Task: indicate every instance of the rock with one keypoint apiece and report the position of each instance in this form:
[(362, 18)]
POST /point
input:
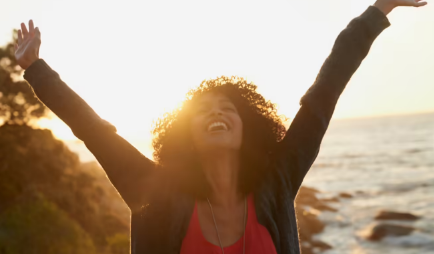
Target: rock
[(323, 207), (308, 223), (307, 197), (333, 199), (315, 246), (309, 190), (391, 215), (415, 150), (345, 195), (306, 250), (321, 245), (379, 231)]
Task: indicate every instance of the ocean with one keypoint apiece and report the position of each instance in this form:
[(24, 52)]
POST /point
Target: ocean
[(385, 163)]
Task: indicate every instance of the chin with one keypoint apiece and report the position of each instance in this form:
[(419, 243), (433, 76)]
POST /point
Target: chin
[(218, 146)]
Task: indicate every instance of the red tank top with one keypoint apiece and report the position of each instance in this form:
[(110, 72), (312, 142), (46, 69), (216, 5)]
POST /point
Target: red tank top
[(258, 240)]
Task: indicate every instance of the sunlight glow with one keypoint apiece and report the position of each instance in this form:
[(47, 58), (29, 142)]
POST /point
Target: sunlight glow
[(134, 60)]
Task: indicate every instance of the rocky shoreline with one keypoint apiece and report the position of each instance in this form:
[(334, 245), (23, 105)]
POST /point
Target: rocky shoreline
[(309, 206)]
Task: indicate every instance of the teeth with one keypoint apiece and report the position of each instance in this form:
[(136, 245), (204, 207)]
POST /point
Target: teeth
[(215, 124)]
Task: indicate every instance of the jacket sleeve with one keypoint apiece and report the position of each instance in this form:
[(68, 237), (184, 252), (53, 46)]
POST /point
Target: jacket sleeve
[(128, 170), (301, 144)]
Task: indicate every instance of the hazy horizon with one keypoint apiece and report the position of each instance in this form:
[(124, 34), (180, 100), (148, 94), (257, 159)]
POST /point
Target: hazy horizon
[(62, 131), (144, 144)]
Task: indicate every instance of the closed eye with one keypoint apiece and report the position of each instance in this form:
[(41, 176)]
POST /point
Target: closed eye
[(201, 110), (229, 109), (228, 106)]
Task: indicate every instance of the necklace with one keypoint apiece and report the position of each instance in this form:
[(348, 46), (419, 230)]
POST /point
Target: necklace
[(244, 231)]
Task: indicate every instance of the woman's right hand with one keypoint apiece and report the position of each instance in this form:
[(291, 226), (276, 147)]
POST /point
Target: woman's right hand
[(27, 49)]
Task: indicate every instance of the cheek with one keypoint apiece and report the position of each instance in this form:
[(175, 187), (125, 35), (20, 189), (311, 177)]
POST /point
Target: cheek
[(195, 129), (238, 124)]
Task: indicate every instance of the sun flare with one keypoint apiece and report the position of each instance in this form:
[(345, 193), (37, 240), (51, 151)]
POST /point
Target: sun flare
[(133, 69)]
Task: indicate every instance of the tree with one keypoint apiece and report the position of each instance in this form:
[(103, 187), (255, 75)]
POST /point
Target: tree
[(18, 105), (119, 244), (33, 161), (36, 225)]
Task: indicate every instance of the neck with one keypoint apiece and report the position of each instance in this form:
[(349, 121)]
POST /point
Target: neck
[(222, 171)]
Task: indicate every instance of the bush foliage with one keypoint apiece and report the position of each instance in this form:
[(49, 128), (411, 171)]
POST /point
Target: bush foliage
[(49, 201)]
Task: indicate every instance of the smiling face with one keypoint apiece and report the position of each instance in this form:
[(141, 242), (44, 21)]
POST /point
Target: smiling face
[(216, 124)]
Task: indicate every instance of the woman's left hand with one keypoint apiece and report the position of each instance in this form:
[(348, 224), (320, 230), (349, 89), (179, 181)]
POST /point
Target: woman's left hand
[(386, 6)]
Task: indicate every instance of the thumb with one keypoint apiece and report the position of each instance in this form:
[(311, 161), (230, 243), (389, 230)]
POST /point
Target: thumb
[(420, 3)]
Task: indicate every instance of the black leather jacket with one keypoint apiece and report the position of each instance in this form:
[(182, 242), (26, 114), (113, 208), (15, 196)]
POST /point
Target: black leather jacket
[(160, 219)]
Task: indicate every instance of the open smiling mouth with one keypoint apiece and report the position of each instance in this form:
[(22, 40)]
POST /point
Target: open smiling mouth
[(217, 126)]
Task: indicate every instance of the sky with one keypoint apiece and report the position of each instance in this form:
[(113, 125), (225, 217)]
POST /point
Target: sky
[(134, 60)]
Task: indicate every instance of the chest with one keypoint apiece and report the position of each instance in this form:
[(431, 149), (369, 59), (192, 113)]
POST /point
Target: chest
[(165, 226), (221, 225), (202, 234)]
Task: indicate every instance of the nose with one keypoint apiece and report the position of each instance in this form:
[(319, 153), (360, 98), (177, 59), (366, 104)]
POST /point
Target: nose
[(216, 111)]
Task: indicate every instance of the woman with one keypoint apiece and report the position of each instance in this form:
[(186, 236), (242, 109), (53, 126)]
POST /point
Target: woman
[(226, 172)]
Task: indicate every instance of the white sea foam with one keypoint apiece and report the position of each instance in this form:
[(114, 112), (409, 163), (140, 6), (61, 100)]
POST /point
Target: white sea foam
[(388, 164), (415, 239)]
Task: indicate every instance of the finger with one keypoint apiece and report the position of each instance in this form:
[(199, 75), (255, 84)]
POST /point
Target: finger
[(37, 32), (37, 40), (421, 3), (31, 27), (418, 3), (15, 46), (24, 30), (20, 37)]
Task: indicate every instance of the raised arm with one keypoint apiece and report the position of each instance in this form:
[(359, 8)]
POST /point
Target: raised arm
[(128, 170), (301, 144)]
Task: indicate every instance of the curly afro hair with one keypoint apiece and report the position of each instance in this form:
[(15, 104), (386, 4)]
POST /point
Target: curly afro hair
[(262, 131)]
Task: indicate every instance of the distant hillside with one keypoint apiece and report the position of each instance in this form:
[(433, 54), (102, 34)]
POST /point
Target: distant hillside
[(112, 200), (39, 175)]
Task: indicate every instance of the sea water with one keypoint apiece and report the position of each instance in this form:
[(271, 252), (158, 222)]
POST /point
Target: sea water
[(386, 163)]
